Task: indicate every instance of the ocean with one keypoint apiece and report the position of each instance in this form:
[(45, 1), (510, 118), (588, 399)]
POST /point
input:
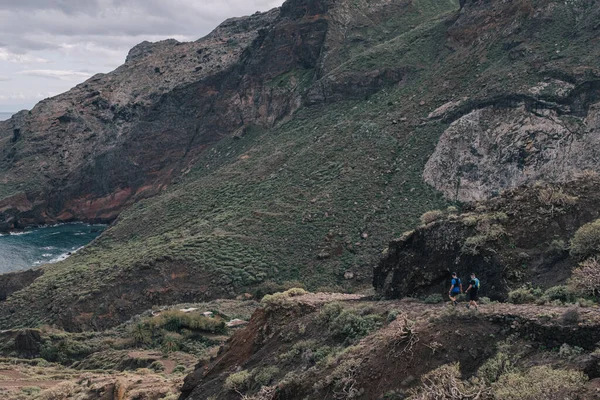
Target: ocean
[(48, 244), (5, 115)]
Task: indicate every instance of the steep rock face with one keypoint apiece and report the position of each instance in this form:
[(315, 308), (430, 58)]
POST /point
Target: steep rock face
[(519, 237), (123, 136), (510, 135), (495, 147)]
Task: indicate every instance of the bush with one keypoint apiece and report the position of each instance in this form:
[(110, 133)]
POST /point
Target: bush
[(431, 216), (521, 296), (502, 363), (65, 351), (175, 321), (392, 315), (539, 383), (569, 352), (281, 299), (562, 293), (141, 334), (586, 241), (179, 369), (349, 327), (435, 298), (444, 383), (586, 277), (265, 375), (171, 343), (571, 316), (157, 366), (237, 381)]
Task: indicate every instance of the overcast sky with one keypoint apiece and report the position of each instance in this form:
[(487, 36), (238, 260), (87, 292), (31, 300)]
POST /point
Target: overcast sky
[(48, 46)]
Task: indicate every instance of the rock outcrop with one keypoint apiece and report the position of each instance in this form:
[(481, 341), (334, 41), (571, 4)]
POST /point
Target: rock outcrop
[(550, 135), (520, 237)]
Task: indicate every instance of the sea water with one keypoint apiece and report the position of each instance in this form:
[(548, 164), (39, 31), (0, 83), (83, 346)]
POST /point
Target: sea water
[(47, 244), (5, 115)]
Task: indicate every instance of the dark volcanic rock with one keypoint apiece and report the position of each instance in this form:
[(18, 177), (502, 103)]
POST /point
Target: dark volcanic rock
[(506, 241)]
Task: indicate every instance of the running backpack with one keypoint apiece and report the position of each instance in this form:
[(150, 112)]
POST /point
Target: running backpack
[(477, 284), (456, 283)]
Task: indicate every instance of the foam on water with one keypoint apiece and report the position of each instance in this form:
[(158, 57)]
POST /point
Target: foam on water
[(44, 245)]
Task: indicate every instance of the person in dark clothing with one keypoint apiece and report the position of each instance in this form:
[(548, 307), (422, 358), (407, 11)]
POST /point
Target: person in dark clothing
[(455, 288), (473, 292)]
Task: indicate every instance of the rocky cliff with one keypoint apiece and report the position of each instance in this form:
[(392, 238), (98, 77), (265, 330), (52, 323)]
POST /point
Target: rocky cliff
[(521, 237), (123, 136)]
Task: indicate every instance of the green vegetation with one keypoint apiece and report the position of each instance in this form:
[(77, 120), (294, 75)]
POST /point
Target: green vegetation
[(349, 325), (539, 383), (433, 299), (432, 216), (488, 228), (556, 295), (586, 241), (278, 300), (238, 381)]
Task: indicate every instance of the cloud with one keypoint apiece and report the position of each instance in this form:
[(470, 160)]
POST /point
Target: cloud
[(75, 38), (6, 55), (56, 74)]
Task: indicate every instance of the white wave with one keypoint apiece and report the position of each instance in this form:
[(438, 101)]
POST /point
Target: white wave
[(20, 233)]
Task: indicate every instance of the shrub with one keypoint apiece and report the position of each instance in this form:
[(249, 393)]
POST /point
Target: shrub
[(586, 277), (435, 298), (497, 366), (63, 390), (157, 366), (297, 349), (330, 311), (569, 352), (452, 210), (179, 369), (521, 296), (237, 381), (539, 383), (265, 375), (445, 383), (562, 293), (571, 316), (175, 321), (64, 351), (349, 327), (141, 334), (557, 247), (586, 241), (431, 216), (555, 197), (281, 299), (171, 343), (392, 315), (31, 390)]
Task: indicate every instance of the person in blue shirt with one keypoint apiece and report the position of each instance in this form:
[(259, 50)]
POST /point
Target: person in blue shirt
[(455, 289), (473, 291)]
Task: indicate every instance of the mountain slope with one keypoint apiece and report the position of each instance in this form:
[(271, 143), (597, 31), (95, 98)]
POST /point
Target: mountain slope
[(347, 103)]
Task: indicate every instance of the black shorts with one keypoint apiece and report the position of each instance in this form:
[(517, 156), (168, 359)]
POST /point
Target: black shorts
[(473, 295)]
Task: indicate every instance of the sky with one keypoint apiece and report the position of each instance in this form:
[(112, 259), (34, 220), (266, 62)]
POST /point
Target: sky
[(49, 46)]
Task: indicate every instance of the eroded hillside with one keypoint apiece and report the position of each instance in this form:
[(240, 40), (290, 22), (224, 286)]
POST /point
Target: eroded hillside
[(316, 145)]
